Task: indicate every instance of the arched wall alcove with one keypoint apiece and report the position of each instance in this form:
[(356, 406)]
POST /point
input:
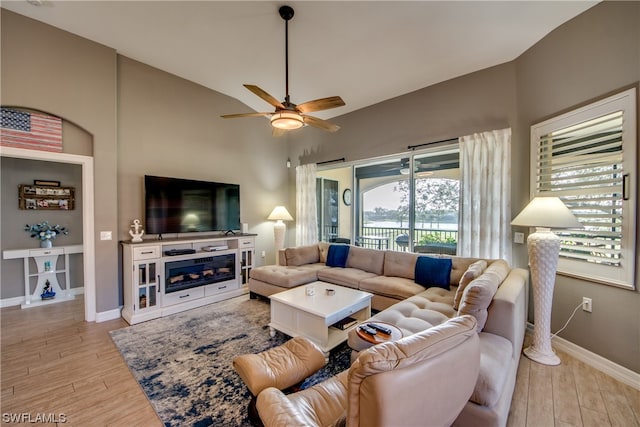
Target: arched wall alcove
[(77, 154)]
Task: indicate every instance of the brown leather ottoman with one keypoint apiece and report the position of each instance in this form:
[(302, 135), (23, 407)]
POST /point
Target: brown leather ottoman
[(281, 367)]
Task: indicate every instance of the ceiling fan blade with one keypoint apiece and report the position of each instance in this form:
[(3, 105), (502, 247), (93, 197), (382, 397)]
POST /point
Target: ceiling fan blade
[(319, 123), (276, 132), (320, 104), (234, 116), (264, 95)]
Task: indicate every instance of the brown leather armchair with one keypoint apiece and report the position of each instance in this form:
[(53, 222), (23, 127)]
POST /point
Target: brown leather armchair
[(421, 380)]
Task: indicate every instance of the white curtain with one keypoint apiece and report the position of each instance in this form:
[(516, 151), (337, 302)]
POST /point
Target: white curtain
[(485, 213), (306, 211)]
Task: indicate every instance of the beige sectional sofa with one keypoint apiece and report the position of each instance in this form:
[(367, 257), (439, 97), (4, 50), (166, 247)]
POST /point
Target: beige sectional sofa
[(489, 290)]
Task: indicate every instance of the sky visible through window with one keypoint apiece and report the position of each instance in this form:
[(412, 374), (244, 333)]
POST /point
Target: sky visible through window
[(382, 197)]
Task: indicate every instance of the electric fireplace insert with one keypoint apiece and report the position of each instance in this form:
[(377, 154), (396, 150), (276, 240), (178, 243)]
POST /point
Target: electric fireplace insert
[(191, 273)]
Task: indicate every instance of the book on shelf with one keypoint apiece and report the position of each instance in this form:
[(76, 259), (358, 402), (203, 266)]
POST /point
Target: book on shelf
[(345, 323)]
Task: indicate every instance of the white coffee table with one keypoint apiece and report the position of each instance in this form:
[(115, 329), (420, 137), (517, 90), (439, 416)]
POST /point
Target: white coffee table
[(295, 313)]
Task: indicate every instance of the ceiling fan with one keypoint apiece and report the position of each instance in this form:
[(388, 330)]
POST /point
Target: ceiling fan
[(287, 115)]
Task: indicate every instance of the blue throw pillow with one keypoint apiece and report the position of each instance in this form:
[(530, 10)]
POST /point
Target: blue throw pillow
[(337, 255), (432, 272)]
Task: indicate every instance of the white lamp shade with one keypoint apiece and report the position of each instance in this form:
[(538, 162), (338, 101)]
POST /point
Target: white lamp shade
[(280, 213), (548, 212)]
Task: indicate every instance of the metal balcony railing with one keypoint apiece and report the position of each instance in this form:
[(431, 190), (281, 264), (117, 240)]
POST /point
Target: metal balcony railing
[(426, 240)]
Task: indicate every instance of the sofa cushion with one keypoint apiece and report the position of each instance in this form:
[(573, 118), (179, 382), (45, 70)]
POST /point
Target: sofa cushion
[(441, 296), (433, 272), (323, 247), (315, 266), (495, 354), (458, 268), (337, 255), (414, 376), (473, 272), (394, 287), (349, 277), (400, 264), (284, 276), (500, 267), (479, 293), (301, 255), (412, 315), (370, 260)]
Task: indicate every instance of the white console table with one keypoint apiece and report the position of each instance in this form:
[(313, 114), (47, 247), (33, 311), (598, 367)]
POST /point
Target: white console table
[(46, 260)]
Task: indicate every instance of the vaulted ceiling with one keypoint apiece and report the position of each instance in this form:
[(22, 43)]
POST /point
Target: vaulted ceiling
[(364, 51)]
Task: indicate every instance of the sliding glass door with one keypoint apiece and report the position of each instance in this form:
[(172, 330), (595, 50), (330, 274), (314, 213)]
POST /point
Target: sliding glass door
[(334, 204), (382, 204), (436, 189), (327, 204), (409, 203)]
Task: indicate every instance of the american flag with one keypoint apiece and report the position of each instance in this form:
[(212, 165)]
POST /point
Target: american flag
[(22, 129)]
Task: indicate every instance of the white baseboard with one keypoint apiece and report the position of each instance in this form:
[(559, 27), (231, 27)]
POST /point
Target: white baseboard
[(620, 373), (103, 316), (9, 302)]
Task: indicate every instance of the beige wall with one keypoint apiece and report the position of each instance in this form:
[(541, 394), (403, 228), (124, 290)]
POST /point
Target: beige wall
[(143, 121), (591, 56), (477, 102), (50, 70), (168, 126)]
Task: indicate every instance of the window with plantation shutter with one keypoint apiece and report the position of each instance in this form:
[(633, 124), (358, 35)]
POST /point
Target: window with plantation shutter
[(587, 158)]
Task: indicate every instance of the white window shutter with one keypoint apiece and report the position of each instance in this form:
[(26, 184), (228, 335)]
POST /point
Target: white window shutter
[(587, 158)]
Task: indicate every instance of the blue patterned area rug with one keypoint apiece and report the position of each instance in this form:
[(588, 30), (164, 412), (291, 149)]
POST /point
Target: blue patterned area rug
[(183, 361)]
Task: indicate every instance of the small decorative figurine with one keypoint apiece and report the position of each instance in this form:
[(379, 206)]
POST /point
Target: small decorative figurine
[(47, 293), (136, 234)]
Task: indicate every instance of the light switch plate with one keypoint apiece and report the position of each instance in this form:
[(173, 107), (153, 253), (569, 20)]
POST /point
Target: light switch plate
[(518, 238), (105, 235)]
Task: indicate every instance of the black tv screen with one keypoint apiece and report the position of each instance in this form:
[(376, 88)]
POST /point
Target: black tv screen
[(174, 205)]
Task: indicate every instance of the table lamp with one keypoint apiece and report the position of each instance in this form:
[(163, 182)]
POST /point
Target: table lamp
[(279, 214), (543, 247)]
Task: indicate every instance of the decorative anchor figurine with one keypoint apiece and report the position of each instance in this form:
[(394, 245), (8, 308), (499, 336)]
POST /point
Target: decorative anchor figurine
[(137, 232)]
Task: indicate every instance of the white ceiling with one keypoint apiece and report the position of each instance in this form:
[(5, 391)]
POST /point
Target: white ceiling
[(364, 51)]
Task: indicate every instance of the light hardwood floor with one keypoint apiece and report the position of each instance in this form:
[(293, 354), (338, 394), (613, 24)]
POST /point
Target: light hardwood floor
[(55, 363)]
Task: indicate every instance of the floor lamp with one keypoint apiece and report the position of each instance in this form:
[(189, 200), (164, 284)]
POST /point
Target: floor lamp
[(543, 247), (278, 215)]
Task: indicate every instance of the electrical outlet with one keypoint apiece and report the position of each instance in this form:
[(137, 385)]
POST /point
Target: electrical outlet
[(263, 254), (518, 237), (586, 304)]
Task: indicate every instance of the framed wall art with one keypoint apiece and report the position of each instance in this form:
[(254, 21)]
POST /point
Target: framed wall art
[(46, 197)]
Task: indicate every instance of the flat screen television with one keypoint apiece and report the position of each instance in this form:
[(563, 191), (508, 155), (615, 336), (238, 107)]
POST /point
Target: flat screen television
[(174, 205)]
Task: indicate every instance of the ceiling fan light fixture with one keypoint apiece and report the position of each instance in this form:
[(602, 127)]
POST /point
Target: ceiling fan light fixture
[(289, 116), (287, 120)]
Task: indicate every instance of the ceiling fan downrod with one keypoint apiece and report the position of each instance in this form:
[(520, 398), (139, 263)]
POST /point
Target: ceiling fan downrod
[(286, 13), (287, 115)]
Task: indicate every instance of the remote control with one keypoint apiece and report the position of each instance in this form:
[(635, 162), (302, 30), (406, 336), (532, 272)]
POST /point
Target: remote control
[(380, 328), (367, 330)]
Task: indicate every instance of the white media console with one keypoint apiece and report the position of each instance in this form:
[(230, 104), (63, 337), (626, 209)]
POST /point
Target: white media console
[(163, 277)]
